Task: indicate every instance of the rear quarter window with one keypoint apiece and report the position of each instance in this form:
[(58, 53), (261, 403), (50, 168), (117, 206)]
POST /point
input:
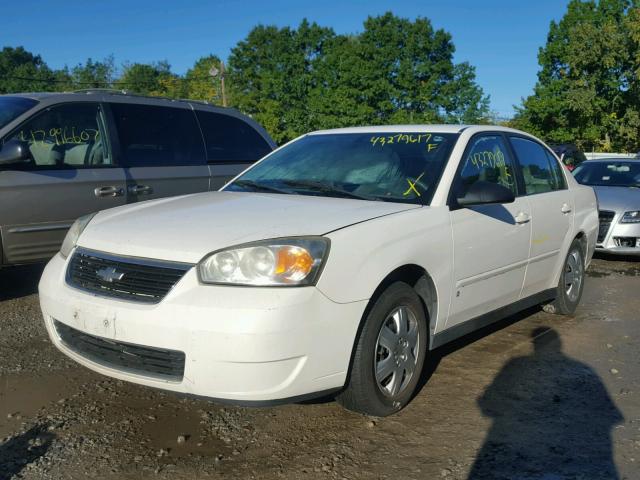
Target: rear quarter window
[(229, 139)]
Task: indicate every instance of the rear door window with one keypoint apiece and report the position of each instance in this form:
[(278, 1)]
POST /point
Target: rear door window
[(230, 140), (155, 136), (65, 136), (537, 171)]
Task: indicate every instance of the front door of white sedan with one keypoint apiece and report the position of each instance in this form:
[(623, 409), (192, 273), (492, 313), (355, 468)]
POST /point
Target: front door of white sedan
[(491, 242)]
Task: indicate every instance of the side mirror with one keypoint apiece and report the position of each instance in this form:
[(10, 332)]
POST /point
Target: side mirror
[(485, 193), (14, 151)]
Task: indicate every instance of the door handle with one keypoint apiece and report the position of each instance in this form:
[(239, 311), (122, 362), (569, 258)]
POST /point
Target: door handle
[(140, 190), (566, 208), (109, 191), (522, 217)]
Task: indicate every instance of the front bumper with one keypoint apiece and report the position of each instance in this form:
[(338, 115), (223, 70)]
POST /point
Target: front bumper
[(621, 238), (240, 344)]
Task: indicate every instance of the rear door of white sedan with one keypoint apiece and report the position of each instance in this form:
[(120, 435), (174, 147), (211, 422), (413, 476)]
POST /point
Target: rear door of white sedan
[(491, 242), (551, 211)]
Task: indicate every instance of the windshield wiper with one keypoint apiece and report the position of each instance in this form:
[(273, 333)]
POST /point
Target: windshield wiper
[(259, 187), (324, 188)]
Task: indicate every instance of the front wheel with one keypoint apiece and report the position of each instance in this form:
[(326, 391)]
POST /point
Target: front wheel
[(389, 354), (569, 290)]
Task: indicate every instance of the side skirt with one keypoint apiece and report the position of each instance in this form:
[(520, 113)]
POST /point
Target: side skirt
[(477, 323)]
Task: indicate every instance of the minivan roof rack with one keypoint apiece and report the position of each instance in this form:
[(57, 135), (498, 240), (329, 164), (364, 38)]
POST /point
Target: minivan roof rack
[(103, 90), (115, 91)]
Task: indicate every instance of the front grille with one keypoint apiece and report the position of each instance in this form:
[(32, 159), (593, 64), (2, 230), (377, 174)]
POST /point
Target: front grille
[(605, 217), (134, 279), (148, 361)]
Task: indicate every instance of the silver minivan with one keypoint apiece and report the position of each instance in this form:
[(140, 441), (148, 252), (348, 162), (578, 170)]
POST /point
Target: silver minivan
[(64, 155)]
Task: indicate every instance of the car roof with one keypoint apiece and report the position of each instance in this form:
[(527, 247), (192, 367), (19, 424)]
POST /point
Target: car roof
[(613, 159), (102, 92), (430, 128)]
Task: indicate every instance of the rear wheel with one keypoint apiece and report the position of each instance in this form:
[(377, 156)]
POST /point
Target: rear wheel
[(389, 354), (569, 290)]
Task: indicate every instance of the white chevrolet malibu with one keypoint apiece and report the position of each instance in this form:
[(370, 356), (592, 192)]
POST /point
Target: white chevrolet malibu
[(333, 265)]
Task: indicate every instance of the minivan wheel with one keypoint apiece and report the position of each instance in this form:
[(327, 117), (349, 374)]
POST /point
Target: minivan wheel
[(389, 354), (569, 290)]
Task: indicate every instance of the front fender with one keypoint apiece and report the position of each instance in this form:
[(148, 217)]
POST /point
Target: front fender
[(362, 255)]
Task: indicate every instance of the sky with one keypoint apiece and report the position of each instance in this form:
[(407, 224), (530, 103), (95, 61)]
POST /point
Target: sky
[(500, 38)]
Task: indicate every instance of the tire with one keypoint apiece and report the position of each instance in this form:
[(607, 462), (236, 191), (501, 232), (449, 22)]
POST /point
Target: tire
[(571, 285), (393, 341)]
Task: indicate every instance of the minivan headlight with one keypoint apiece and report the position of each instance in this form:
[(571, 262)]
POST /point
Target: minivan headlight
[(279, 262), (631, 217), (74, 233)]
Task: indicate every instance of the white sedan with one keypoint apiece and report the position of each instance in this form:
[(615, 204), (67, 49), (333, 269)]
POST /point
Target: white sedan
[(333, 265)]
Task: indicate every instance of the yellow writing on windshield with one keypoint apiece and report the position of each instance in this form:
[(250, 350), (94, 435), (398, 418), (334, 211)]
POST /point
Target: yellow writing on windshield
[(404, 138), (60, 135)]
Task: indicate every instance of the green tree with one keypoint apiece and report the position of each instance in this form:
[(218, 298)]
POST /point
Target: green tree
[(150, 79), (588, 88), (271, 73), (93, 74), (395, 71), (22, 71), (200, 85)]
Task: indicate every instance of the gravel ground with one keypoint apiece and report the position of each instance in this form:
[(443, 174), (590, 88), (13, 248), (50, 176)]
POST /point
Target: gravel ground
[(533, 397)]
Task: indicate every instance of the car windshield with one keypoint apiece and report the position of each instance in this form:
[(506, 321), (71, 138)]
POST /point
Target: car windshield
[(613, 173), (13, 107), (383, 166)]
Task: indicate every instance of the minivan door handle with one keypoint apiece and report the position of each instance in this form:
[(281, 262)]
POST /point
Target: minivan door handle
[(522, 217), (140, 190), (109, 191), (566, 208)]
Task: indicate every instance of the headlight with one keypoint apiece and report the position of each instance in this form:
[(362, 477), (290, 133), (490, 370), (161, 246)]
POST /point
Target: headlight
[(278, 262), (631, 217), (74, 233)]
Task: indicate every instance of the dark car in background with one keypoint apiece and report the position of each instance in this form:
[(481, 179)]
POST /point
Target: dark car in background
[(64, 155), (569, 154)]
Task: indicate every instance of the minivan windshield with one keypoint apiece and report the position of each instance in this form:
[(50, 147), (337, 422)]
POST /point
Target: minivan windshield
[(612, 173), (13, 107), (383, 166)]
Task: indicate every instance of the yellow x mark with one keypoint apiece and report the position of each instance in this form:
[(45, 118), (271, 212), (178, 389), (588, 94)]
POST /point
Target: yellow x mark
[(412, 186)]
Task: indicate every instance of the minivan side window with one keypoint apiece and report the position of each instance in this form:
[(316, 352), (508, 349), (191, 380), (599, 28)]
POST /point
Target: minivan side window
[(64, 136), (229, 139), (537, 171), (487, 159), (153, 136)]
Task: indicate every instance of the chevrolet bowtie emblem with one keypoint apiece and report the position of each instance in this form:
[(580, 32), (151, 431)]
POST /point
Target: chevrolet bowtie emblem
[(109, 274)]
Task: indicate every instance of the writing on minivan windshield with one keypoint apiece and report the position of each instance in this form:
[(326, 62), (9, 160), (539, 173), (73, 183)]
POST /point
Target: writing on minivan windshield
[(60, 135)]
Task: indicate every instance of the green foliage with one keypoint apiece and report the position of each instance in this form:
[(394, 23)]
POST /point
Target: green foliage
[(200, 85), (149, 79), (293, 80), (21, 71), (395, 71), (588, 89)]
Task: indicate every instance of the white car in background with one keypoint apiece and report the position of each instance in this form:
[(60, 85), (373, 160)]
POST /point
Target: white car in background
[(333, 265)]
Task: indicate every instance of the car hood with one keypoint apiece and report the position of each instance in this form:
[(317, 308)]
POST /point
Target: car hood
[(618, 199), (186, 228)]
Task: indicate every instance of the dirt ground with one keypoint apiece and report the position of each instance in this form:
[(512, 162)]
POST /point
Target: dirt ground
[(533, 397)]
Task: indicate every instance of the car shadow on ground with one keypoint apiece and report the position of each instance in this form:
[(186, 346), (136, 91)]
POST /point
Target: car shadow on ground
[(20, 281), (23, 449)]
